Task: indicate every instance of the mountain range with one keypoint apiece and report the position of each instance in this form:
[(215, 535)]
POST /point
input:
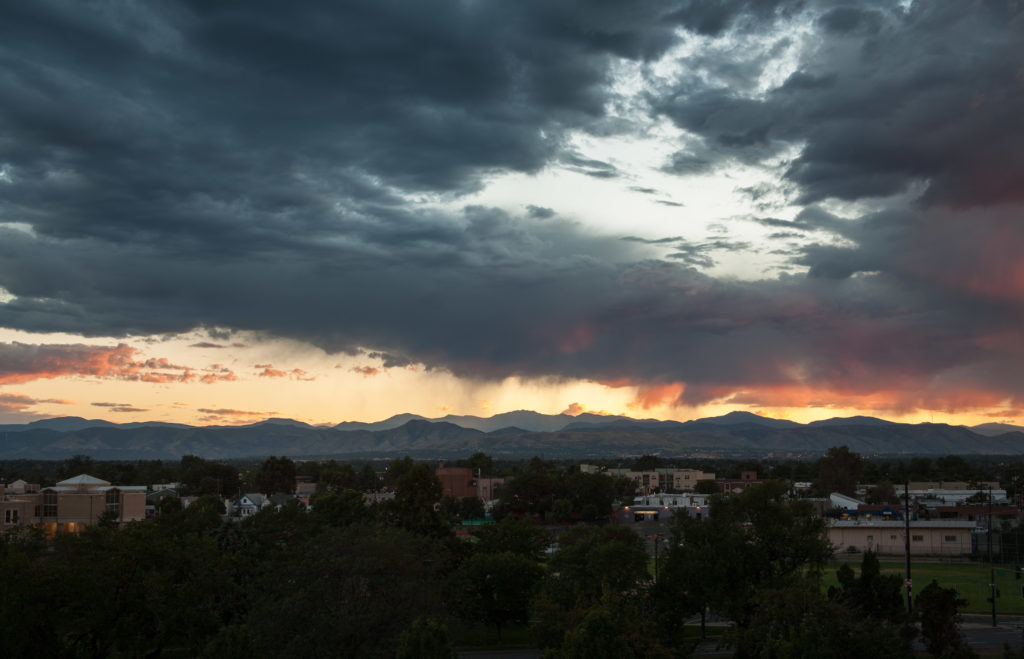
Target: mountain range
[(513, 434)]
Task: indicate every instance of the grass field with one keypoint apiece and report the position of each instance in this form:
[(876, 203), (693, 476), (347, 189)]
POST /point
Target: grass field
[(971, 581)]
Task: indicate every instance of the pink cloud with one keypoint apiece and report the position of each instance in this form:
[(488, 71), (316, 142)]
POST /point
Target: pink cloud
[(21, 362), (21, 402)]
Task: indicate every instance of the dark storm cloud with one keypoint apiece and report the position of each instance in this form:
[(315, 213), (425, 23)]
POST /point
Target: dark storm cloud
[(236, 166), (883, 99)]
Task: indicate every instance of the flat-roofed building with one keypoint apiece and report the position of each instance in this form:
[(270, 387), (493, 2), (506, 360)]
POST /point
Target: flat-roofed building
[(888, 538)]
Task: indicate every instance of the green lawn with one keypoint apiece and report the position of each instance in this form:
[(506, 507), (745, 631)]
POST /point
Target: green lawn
[(971, 581)]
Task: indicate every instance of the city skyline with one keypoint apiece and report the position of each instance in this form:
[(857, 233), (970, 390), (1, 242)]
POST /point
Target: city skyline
[(223, 213)]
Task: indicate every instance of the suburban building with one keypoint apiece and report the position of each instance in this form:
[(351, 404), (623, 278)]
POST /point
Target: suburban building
[(72, 504), (684, 480), (249, 504), (737, 485), (461, 482), (655, 480), (888, 537)]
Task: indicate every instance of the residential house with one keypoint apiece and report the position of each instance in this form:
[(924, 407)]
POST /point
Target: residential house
[(248, 504)]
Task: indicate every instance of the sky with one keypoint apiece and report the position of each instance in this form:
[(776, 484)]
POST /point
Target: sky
[(215, 213)]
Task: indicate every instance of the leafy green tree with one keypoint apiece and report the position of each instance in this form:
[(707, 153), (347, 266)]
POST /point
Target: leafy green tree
[(938, 610), (199, 476), (593, 562), (751, 542), (496, 588), (398, 468), (839, 471), (798, 621), (76, 465), (706, 486), (276, 474), (624, 489), (332, 477), (883, 492), (340, 509), (871, 594), (426, 638), (368, 479), (519, 536), (533, 490), (561, 511), (345, 592), (599, 636), (479, 462), (595, 491), (416, 493), (647, 463)]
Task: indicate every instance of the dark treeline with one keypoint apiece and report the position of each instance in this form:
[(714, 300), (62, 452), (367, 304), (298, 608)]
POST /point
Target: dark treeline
[(191, 470), (347, 579)]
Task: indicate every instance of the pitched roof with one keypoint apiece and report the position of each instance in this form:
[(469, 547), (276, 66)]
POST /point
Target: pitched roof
[(84, 479)]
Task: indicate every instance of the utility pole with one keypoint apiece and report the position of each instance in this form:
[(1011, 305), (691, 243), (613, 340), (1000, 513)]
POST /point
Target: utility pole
[(991, 568), (906, 525)]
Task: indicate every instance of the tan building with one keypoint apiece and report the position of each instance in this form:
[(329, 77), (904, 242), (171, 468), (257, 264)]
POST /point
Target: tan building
[(72, 504), (887, 538), (684, 480)]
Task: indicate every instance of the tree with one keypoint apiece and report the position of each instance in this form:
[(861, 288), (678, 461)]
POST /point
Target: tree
[(365, 587), (593, 562), (588, 490), (76, 465), (838, 471), (368, 479), (797, 620), (706, 486), (518, 536), (938, 609), (481, 463), (597, 637), (751, 542), (339, 509), (412, 508), (274, 475), (871, 594), (496, 588), (647, 463), (882, 493), (426, 638)]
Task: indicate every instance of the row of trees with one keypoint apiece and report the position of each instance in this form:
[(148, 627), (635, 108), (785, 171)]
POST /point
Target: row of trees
[(344, 579)]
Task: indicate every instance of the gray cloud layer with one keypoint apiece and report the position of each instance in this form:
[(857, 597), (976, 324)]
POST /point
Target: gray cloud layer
[(243, 166)]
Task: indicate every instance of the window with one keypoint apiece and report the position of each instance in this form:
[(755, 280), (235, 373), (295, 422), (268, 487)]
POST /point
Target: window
[(49, 504), (114, 502), (871, 538), (893, 538), (950, 538), (917, 538), (7, 517)]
